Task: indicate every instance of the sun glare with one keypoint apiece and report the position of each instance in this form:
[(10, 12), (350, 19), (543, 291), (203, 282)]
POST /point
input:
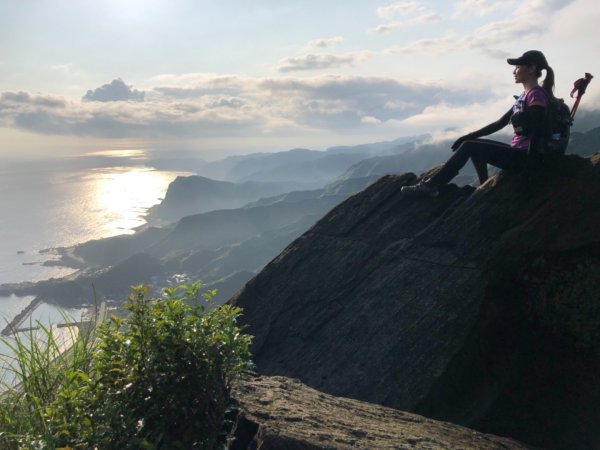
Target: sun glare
[(124, 194), (125, 153)]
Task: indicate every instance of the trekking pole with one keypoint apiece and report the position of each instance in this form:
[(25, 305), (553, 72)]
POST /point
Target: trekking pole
[(579, 87)]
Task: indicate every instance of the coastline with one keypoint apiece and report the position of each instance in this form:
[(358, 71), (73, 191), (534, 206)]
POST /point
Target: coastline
[(64, 337), (65, 257)]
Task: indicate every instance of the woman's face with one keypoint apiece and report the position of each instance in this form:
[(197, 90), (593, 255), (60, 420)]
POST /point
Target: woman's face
[(524, 73)]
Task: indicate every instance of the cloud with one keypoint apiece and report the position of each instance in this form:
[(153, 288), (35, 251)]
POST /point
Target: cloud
[(440, 45), (16, 99), (65, 69), (197, 85), (384, 28), (482, 7), (161, 120), (445, 121), (428, 17), (115, 91), (400, 9), (370, 120), (342, 101), (15, 104), (201, 105), (326, 42), (227, 102), (485, 39), (412, 13), (541, 8), (320, 61), (518, 26)]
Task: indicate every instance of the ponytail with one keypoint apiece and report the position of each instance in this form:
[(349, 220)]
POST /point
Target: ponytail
[(548, 83)]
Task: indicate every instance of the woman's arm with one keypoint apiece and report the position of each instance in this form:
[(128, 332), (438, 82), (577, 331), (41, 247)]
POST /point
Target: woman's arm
[(488, 129), (494, 126)]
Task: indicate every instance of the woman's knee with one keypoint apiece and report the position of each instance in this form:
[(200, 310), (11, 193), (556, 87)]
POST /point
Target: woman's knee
[(467, 147)]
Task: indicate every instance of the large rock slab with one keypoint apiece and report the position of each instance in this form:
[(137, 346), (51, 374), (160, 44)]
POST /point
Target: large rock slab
[(282, 413), (481, 308)]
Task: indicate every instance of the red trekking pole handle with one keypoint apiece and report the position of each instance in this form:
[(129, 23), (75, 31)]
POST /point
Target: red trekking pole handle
[(579, 87)]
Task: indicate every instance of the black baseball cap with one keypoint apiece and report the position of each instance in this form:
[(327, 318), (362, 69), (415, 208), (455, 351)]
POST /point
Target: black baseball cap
[(530, 58)]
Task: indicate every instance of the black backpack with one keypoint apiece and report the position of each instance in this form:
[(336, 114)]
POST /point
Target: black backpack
[(557, 128)]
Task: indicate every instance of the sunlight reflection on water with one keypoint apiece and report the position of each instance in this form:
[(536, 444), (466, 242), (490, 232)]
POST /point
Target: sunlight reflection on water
[(124, 194), (64, 202), (123, 153)]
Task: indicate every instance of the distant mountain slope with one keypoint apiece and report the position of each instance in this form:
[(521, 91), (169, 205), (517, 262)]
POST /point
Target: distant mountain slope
[(112, 250), (314, 168), (217, 228), (233, 168), (248, 255), (195, 194), (415, 159), (478, 308), (586, 119), (285, 214), (311, 168), (380, 148), (316, 172), (586, 143)]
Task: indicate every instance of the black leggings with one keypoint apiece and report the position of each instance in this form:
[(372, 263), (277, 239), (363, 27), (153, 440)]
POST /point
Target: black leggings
[(482, 152)]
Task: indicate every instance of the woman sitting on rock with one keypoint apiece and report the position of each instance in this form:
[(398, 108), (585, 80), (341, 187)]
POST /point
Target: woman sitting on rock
[(527, 116)]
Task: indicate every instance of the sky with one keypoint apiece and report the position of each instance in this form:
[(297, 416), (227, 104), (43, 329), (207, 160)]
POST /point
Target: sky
[(225, 77)]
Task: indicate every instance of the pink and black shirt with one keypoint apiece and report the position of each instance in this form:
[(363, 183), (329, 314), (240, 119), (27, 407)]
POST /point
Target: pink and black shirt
[(535, 96)]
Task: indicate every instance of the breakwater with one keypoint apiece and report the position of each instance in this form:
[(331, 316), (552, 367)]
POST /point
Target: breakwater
[(88, 317), (21, 317)]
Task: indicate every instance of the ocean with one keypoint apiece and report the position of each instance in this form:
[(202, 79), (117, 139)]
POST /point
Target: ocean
[(61, 202)]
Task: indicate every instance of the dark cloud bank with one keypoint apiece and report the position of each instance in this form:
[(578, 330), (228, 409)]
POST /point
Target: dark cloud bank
[(115, 91)]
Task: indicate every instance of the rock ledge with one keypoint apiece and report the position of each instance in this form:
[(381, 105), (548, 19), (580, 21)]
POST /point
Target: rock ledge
[(283, 413)]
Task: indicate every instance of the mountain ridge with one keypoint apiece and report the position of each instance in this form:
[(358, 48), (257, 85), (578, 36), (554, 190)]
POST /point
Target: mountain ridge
[(197, 194)]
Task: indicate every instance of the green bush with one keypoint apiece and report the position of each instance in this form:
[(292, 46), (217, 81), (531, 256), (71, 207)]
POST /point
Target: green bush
[(157, 378)]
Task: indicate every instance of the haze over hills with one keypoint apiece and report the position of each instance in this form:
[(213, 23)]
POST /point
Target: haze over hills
[(200, 238), (314, 168), (196, 194), (254, 166), (222, 248), (585, 144)]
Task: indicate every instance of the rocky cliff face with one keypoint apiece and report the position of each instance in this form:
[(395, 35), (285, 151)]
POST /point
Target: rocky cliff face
[(481, 308)]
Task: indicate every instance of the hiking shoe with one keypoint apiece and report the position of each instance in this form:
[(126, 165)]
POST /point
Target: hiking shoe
[(420, 190)]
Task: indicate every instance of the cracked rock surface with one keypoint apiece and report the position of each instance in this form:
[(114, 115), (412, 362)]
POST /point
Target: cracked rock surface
[(282, 413)]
